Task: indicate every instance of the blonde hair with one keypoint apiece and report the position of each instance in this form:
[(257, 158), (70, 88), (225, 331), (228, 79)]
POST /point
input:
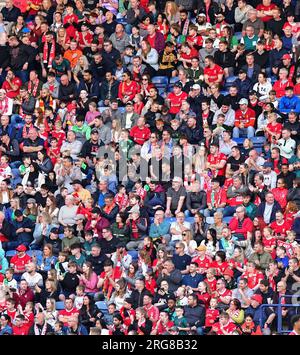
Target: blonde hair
[(173, 8)]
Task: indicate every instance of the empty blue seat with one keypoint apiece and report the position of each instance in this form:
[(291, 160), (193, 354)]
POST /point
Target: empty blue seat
[(171, 219), (10, 253), (224, 92), (189, 219), (239, 141), (258, 140), (102, 108), (227, 219), (121, 109), (160, 81), (230, 79), (209, 220), (102, 306), (32, 253), (134, 254), (59, 305), (174, 79)]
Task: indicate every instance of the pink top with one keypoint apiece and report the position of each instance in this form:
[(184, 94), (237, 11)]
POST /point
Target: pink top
[(90, 285)]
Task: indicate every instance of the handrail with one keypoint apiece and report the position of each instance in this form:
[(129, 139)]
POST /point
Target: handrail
[(279, 307)]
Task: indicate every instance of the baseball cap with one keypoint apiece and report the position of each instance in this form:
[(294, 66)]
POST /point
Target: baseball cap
[(178, 84), (252, 92), (201, 248), (268, 164), (79, 216), (202, 15), (286, 56), (76, 182), (94, 130), (257, 298), (21, 248), (31, 200), (196, 87), (71, 107), (228, 272), (242, 71), (243, 102), (129, 103), (54, 230), (18, 213)]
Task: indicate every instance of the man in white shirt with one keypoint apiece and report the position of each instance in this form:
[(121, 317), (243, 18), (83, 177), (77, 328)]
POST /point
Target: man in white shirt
[(286, 144), (32, 277), (270, 177)]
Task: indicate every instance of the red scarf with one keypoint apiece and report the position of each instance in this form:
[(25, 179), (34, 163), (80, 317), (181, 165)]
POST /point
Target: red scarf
[(43, 101), (33, 91), (4, 105), (52, 53)]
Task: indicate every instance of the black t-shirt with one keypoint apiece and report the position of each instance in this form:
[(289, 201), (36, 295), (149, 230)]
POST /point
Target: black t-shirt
[(181, 262), (175, 195), (235, 163), (108, 247)]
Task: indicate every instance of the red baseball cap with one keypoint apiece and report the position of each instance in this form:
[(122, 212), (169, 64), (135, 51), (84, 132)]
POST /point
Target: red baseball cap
[(228, 272), (21, 248), (257, 298), (71, 107), (286, 56)]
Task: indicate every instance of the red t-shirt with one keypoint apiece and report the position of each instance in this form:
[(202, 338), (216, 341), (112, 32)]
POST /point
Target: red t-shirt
[(67, 313), (20, 263), (20, 330), (247, 118), (228, 328), (253, 279), (216, 159), (225, 293), (212, 284), (129, 90), (213, 73), (9, 91), (281, 229), (262, 7), (176, 101), (140, 136), (279, 86), (202, 264), (211, 317), (274, 129)]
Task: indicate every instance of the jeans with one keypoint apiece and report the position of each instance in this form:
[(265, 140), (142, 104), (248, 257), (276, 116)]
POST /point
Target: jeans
[(229, 211), (248, 132), (210, 213)]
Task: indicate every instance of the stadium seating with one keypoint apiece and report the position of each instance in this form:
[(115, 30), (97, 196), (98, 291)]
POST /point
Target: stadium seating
[(10, 253), (36, 253), (59, 305), (102, 306)]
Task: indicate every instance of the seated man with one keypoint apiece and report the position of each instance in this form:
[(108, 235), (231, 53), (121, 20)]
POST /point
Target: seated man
[(244, 120), (160, 227), (241, 225)]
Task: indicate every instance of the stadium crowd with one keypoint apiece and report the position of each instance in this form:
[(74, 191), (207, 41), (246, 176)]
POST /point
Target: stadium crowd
[(149, 167)]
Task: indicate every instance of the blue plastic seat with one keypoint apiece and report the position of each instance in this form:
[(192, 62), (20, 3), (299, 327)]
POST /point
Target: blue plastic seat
[(210, 220), (190, 219), (230, 79), (102, 306), (258, 140), (102, 108), (59, 305), (134, 254), (10, 253), (227, 219), (160, 81), (174, 79), (31, 253), (239, 141), (171, 219)]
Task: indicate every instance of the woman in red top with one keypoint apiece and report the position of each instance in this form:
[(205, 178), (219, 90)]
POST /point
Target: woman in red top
[(290, 211), (280, 193), (159, 261), (36, 31), (150, 282), (210, 279), (162, 25), (273, 129), (269, 41), (252, 275), (269, 242), (145, 85), (204, 293), (220, 265)]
